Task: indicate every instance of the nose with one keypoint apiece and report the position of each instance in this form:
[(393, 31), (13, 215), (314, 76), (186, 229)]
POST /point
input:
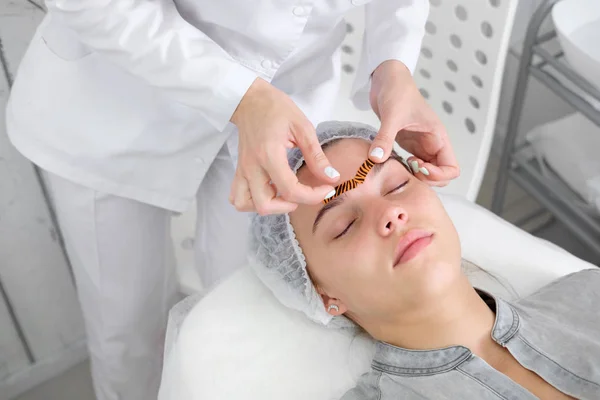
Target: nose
[(393, 217)]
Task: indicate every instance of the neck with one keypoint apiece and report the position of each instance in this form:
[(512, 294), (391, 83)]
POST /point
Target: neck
[(461, 318)]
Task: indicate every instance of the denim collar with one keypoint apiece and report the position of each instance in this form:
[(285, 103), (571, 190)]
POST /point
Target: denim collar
[(399, 361)]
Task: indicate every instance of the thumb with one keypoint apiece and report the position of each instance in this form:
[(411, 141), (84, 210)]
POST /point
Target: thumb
[(314, 156), (382, 145)]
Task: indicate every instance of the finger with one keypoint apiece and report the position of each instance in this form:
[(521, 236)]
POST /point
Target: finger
[(247, 206), (437, 149), (424, 144), (264, 195), (423, 170), (427, 172), (440, 173), (278, 206), (287, 182), (418, 168), (315, 158), (446, 159), (240, 196), (382, 145)]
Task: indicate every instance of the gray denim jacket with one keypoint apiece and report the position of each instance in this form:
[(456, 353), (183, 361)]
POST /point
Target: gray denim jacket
[(555, 333)]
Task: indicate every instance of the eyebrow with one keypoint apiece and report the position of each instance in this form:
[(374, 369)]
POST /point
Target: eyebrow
[(340, 199)]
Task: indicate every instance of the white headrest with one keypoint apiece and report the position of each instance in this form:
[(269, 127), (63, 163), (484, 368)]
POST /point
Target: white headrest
[(239, 342)]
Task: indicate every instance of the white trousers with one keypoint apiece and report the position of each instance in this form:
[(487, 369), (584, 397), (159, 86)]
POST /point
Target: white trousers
[(122, 257)]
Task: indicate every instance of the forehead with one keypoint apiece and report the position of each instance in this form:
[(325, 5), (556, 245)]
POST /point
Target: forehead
[(345, 155)]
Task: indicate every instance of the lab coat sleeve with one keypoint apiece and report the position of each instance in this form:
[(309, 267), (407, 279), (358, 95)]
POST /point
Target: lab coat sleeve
[(151, 40), (394, 30)]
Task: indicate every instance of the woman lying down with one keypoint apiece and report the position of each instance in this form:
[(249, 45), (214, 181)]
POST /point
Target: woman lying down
[(384, 255)]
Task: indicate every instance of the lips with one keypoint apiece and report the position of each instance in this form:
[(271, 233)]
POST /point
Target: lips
[(411, 244)]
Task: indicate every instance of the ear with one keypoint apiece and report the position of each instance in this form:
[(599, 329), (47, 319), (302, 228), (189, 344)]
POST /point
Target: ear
[(329, 301)]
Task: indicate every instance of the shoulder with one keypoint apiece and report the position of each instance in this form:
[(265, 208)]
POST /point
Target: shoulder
[(576, 294), (369, 387), (366, 388), (579, 285), (561, 322)]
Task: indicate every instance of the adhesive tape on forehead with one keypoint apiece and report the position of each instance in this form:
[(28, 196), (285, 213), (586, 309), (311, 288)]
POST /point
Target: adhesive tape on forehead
[(359, 178), (361, 175)]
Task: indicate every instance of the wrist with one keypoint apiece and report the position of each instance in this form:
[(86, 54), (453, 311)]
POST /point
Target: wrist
[(256, 89), (390, 68)]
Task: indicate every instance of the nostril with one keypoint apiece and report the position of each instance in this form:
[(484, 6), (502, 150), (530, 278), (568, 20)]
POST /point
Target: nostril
[(388, 226)]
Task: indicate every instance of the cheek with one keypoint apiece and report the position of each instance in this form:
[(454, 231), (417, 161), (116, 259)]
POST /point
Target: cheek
[(356, 268), (447, 248), (428, 208), (425, 201), (446, 230)]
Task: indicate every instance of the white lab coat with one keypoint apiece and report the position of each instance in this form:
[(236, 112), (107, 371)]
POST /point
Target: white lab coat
[(125, 104), (134, 97)]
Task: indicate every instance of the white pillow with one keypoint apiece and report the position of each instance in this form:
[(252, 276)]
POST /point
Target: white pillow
[(239, 342)]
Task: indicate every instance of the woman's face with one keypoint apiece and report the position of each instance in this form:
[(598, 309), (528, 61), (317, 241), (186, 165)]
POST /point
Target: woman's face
[(384, 247)]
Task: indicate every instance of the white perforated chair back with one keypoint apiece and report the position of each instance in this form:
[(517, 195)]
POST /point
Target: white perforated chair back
[(470, 94), (459, 73)]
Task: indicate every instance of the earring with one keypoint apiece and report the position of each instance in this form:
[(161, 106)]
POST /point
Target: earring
[(333, 307)]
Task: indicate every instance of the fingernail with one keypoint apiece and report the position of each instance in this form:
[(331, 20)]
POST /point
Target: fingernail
[(377, 152), (424, 171), (331, 172), (330, 194), (415, 166)]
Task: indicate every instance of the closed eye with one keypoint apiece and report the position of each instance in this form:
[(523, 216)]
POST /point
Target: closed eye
[(345, 230), (400, 186)]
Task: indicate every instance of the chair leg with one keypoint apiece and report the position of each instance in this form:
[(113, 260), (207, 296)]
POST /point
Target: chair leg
[(517, 104)]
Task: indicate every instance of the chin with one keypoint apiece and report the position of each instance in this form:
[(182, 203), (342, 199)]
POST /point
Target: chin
[(434, 274)]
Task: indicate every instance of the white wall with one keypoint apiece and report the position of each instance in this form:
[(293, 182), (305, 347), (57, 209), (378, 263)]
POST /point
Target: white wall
[(34, 273)]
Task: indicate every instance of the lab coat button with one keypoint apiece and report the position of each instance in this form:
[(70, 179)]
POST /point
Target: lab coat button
[(266, 64), (357, 2), (199, 160), (298, 11)]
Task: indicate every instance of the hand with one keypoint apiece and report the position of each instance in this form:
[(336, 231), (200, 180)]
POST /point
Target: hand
[(406, 117), (269, 123)]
